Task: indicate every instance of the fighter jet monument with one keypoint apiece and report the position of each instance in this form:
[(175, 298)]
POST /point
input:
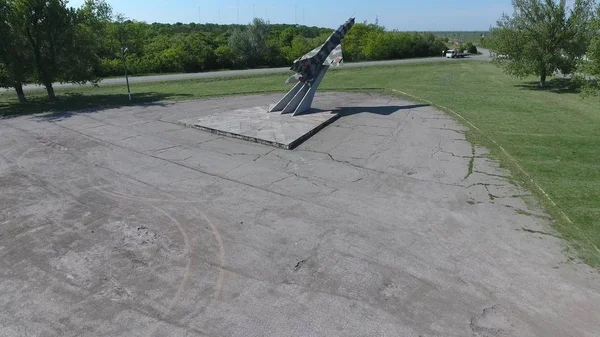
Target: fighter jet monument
[(285, 124), (310, 70)]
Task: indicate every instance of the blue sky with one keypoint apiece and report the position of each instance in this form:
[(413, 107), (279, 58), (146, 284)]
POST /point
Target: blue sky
[(393, 14)]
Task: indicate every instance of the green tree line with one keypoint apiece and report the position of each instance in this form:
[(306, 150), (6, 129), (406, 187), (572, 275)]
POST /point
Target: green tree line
[(48, 41), (164, 48)]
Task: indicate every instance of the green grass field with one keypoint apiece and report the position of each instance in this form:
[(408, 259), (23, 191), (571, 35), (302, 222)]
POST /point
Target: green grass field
[(553, 134)]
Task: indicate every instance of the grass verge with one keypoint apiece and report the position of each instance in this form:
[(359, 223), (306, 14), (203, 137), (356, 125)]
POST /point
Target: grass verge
[(552, 134)]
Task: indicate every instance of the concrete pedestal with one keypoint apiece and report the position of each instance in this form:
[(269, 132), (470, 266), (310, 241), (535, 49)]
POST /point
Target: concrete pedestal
[(258, 125)]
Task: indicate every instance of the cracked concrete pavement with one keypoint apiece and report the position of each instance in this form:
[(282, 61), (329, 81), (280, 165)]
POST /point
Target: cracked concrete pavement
[(388, 222)]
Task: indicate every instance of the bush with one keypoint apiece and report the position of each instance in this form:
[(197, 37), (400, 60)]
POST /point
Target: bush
[(224, 57), (472, 49)]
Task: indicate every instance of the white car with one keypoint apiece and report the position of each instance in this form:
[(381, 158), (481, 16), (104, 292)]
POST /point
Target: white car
[(451, 53)]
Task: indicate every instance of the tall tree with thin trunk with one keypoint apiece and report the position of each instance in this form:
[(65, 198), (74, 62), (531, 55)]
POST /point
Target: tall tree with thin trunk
[(541, 37), (48, 26), (15, 55), (63, 40)]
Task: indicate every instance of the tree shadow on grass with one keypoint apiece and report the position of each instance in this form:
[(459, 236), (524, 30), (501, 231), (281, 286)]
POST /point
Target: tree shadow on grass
[(555, 85), (73, 103)]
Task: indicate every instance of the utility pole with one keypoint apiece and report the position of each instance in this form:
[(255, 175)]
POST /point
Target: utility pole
[(124, 52), (253, 11)]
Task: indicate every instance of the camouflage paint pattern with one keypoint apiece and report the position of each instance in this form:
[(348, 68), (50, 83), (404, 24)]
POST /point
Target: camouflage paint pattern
[(307, 67)]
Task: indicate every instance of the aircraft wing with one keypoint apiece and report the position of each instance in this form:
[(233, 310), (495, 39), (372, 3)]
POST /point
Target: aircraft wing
[(335, 58)]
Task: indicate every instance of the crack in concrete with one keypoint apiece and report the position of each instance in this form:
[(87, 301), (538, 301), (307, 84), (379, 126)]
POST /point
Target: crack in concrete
[(378, 222), (263, 155), (537, 232), (188, 157), (523, 212), (393, 140), (490, 195), (299, 264), (289, 161), (210, 140), (471, 162), (457, 131), (407, 175), (457, 156), (439, 148), (160, 150), (278, 180), (483, 184), (333, 189), (518, 195), (278, 156), (359, 131), (235, 168), (368, 301), (246, 154), (491, 174)]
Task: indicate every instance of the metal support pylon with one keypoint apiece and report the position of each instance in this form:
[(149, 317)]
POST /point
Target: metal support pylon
[(299, 99)]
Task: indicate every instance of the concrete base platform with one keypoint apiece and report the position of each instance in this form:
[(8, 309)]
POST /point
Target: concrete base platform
[(258, 125), (120, 222)]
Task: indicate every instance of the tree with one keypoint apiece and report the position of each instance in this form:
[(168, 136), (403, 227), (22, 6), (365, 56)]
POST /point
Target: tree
[(94, 19), (590, 64), (251, 44), (470, 48), (61, 39), (287, 35), (81, 62), (353, 42), (5, 81), (14, 52), (541, 37), (48, 26), (223, 56)]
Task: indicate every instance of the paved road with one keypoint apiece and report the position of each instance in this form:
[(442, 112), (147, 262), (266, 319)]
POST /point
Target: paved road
[(231, 73), (388, 222)]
